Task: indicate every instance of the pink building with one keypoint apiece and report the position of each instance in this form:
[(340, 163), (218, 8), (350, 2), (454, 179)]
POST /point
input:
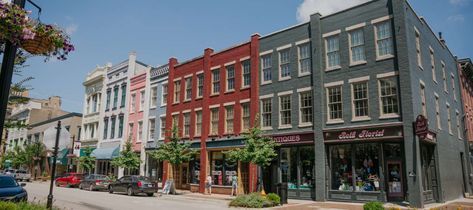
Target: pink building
[(137, 106)]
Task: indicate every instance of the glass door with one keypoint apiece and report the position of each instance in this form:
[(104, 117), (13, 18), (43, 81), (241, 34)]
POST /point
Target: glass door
[(394, 179)]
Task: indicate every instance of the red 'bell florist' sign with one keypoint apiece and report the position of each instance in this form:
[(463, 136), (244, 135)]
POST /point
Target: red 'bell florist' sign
[(421, 125)]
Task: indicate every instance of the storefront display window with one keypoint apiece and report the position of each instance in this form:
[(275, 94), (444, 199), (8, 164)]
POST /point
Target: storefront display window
[(195, 165), (341, 162), (289, 166), (222, 169), (367, 167), (307, 167)]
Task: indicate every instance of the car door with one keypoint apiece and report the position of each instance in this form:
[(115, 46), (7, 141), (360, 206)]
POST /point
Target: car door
[(118, 186), (87, 181)]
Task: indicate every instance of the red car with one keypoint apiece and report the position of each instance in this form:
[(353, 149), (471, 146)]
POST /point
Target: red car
[(69, 180)]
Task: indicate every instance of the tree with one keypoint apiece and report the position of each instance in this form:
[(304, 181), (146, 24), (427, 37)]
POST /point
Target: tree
[(258, 149), (127, 159), (175, 151), (34, 152), (87, 162)]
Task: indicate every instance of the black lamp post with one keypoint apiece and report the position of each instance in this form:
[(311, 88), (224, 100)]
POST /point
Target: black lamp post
[(49, 204)]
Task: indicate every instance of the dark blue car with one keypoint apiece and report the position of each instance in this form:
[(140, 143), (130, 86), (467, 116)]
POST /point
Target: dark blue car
[(10, 190)]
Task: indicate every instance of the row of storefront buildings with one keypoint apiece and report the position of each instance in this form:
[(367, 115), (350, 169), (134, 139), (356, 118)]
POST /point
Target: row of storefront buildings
[(340, 93)]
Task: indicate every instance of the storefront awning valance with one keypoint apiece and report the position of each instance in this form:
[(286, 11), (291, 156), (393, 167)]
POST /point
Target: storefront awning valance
[(106, 153)]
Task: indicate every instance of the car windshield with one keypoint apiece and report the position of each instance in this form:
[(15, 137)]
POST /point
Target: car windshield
[(101, 177), (79, 176), (7, 182)]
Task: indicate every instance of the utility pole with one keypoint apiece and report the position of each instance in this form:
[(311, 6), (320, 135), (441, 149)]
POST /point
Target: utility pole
[(6, 74)]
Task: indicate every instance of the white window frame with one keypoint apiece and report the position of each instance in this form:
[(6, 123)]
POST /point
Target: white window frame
[(459, 130), (300, 92), (423, 99), (327, 86), (142, 99), (133, 102), (449, 119), (360, 62), (327, 67), (162, 128), (212, 132), (151, 135), (214, 82), (270, 68), (280, 96), (284, 49), (199, 86), (453, 86), (444, 77), (376, 23), (188, 87), (388, 75), (186, 127), (164, 93), (271, 113), (140, 131), (153, 94), (227, 89), (242, 62), (227, 130), (353, 82), (418, 49), (177, 91), (437, 111), (243, 129), (432, 64), (196, 127), (300, 44)]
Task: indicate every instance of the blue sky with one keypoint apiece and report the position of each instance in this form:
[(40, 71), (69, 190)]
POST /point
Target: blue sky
[(107, 30)]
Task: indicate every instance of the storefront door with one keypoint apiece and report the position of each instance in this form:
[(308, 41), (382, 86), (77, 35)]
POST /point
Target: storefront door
[(429, 173), (394, 180), (182, 176), (297, 170)]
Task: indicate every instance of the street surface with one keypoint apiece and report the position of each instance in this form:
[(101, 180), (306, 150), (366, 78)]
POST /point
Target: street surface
[(75, 199)]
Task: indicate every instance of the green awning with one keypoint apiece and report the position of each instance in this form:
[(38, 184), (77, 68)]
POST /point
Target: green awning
[(82, 152), (106, 153)]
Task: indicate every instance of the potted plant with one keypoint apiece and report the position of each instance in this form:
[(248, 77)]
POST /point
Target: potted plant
[(49, 40), (15, 25)]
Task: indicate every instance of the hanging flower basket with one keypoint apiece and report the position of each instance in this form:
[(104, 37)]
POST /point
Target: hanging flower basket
[(40, 45)]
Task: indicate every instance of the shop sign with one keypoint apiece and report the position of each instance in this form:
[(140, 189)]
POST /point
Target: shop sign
[(77, 146), (293, 139), (364, 134), (421, 125)]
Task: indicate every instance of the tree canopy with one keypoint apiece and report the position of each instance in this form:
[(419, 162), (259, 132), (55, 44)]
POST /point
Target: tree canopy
[(127, 159), (87, 162), (175, 151)]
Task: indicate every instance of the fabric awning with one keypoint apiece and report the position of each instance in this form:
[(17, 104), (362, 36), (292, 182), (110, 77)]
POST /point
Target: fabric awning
[(106, 153)]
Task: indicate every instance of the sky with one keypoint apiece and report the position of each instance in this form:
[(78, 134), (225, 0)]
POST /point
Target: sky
[(107, 30)]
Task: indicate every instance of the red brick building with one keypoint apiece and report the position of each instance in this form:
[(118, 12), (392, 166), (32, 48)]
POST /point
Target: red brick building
[(465, 67), (213, 99)]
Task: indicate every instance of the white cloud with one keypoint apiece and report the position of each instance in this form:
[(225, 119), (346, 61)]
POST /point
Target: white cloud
[(459, 2), (325, 7), (72, 28), (457, 18)]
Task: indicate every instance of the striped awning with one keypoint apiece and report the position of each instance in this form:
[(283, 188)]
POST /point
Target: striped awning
[(106, 153)]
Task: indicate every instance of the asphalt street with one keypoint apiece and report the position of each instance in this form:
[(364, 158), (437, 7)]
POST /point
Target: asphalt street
[(73, 198)]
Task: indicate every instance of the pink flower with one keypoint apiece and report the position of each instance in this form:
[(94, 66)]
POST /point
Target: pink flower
[(28, 34)]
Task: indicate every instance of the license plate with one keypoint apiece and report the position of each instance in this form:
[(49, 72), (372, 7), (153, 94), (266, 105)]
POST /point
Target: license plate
[(150, 185)]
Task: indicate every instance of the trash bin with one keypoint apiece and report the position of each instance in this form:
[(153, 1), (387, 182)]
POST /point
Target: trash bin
[(281, 189)]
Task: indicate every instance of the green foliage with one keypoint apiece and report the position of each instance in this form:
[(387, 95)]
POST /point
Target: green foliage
[(258, 149), (87, 162), (274, 198), (23, 206), (175, 151), (127, 159), (373, 205), (253, 200), (25, 156)]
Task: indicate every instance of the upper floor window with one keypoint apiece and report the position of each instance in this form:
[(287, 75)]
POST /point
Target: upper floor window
[(444, 78), (306, 108), (285, 110), (151, 128), (112, 130), (230, 78), (453, 87), (388, 97), (304, 59), (142, 100), (216, 81), (163, 127), (335, 104), (198, 123), (130, 129), (164, 95), (94, 103), (187, 124), (177, 91), (188, 88), (133, 103), (245, 117), (360, 100), (120, 126), (418, 50), (449, 119), (266, 112), (432, 64), (175, 120), (423, 101), (284, 66), (122, 104), (154, 96), (246, 66), (266, 68), (333, 53), (229, 119), (140, 130), (384, 40), (109, 93), (437, 112), (214, 121), (200, 85), (115, 97), (459, 132), (105, 128), (357, 46)]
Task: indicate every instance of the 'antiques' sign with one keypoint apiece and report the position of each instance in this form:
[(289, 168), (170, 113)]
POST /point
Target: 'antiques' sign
[(364, 134), (294, 138)]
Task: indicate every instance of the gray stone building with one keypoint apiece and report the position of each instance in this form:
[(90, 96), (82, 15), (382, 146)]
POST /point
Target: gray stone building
[(376, 68)]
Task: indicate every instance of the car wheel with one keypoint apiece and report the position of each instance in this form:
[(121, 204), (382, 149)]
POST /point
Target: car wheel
[(57, 184), (110, 189), (130, 192), (81, 187), (149, 194), (91, 188)]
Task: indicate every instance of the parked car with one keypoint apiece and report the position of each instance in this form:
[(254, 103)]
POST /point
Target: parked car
[(95, 182), (18, 174), (10, 190), (69, 180), (132, 185)]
